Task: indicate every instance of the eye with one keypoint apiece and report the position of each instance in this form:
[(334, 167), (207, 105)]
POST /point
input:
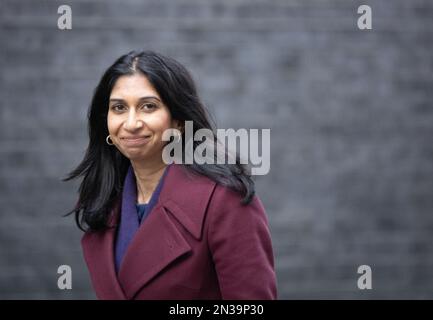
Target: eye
[(148, 106), (117, 107)]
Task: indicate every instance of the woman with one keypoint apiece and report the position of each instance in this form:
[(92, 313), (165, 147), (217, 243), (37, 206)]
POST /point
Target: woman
[(158, 231)]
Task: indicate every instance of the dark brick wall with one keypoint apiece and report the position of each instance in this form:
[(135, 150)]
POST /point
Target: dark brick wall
[(350, 113)]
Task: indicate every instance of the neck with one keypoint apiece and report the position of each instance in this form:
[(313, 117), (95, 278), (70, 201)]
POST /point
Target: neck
[(147, 176)]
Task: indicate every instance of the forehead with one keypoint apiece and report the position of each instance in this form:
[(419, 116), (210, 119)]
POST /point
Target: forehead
[(132, 86)]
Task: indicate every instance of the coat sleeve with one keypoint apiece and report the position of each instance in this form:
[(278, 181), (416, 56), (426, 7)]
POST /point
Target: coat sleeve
[(241, 248)]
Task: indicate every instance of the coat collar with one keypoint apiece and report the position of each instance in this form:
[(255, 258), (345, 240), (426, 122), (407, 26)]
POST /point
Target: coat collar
[(158, 241), (186, 196)]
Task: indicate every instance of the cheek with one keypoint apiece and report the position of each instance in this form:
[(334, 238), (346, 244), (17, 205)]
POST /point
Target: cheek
[(112, 124), (161, 123)]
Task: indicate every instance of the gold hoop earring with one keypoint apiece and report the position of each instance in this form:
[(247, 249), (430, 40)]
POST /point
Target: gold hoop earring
[(108, 142)]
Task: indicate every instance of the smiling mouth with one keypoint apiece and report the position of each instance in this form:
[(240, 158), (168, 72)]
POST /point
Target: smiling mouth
[(136, 141)]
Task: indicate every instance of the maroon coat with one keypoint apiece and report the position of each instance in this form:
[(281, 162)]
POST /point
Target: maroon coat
[(199, 242)]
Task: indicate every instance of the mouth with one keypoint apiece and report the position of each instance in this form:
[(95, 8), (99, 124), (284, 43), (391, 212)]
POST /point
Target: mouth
[(135, 141)]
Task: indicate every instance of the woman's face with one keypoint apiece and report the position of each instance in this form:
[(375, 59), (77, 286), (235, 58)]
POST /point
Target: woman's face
[(137, 118)]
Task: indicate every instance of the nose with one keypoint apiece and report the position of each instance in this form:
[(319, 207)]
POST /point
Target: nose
[(133, 122)]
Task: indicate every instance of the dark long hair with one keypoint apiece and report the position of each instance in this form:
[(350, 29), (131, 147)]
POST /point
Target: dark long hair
[(104, 168)]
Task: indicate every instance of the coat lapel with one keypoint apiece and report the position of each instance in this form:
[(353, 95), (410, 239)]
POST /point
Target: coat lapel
[(186, 197), (98, 249), (156, 244)]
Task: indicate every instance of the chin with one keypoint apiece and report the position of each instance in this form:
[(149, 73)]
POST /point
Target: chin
[(139, 155), (135, 155)]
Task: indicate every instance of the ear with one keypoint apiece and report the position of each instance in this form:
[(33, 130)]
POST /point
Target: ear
[(177, 124)]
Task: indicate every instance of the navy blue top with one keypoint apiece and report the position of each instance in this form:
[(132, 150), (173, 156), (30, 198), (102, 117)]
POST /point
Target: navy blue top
[(141, 210)]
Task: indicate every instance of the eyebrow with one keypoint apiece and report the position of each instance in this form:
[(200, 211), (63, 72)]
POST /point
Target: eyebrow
[(140, 99)]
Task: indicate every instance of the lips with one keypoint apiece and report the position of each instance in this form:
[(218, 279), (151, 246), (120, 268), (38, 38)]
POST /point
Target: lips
[(135, 141)]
